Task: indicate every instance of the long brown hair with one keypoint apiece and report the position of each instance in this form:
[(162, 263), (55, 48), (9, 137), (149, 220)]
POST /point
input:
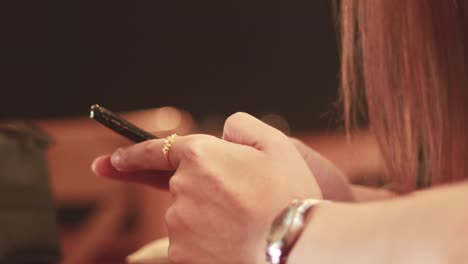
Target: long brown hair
[(405, 62)]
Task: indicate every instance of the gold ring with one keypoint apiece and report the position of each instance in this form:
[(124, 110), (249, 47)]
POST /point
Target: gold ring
[(167, 145)]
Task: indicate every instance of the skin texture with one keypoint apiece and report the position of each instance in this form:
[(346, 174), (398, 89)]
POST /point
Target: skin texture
[(226, 191), (424, 227)]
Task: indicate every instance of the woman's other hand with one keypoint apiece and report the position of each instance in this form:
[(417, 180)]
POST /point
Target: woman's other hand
[(226, 191), (333, 183)]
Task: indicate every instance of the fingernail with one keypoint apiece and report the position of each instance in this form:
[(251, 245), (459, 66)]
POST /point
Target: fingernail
[(93, 167), (153, 253), (116, 159)]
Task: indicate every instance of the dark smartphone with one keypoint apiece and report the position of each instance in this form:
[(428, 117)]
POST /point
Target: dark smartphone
[(119, 125)]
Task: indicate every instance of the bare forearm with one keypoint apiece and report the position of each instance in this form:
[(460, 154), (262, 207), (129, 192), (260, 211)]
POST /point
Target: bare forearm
[(426, 227)]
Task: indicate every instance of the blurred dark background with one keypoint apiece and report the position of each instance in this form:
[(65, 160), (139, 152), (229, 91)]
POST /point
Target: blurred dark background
[(206, 56)]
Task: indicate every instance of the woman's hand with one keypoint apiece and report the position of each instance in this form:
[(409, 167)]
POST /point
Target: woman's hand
[(226, 191), (332, 182)]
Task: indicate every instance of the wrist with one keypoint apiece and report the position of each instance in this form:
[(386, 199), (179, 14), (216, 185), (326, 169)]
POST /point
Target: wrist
[(331, 228)]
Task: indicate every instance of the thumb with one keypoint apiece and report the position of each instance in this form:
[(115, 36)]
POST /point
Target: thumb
[(244, 129)]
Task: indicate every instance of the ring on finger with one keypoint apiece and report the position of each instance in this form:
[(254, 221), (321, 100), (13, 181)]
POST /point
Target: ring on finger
[(167, 145)]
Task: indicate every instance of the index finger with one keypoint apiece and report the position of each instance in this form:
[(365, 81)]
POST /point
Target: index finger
[(149, 155), (102, 166)]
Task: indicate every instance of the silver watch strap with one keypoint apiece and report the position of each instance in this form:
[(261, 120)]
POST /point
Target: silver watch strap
[(293, 220)]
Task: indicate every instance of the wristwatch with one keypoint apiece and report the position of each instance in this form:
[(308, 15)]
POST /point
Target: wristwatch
[(286, 229)]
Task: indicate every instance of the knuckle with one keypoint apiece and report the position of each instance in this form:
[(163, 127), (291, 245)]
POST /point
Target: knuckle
[(170, 217), (234, 119), (175, 219), (175, 184), (195, 151), (176, 254), (197, 147)]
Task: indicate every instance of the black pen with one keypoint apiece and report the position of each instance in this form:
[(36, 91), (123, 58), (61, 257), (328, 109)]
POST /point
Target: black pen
[(119, 125)]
